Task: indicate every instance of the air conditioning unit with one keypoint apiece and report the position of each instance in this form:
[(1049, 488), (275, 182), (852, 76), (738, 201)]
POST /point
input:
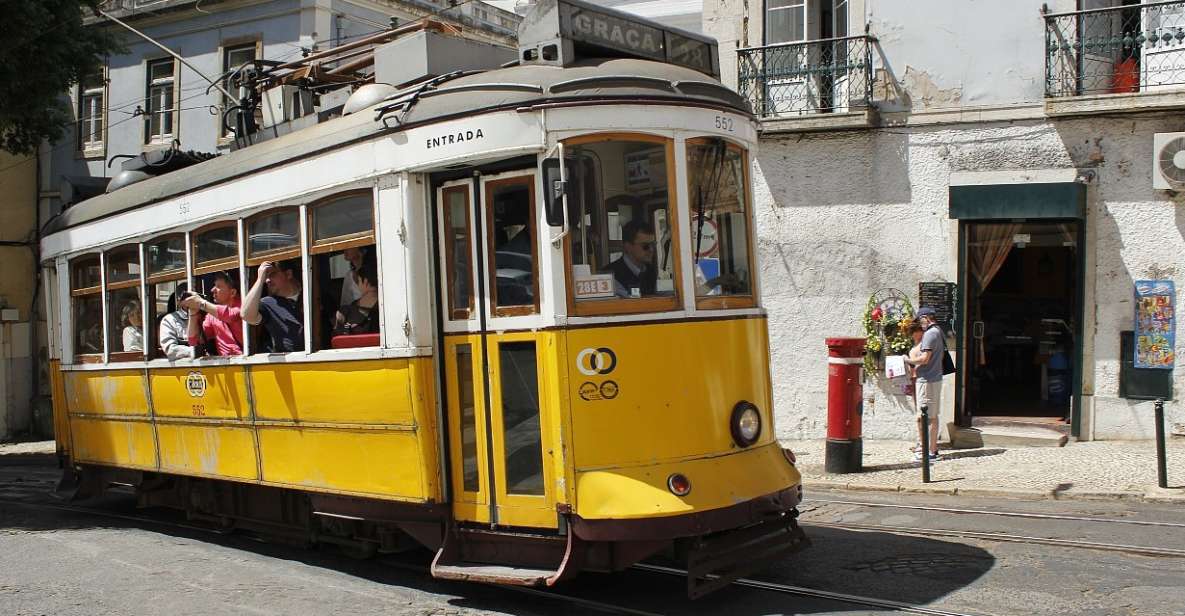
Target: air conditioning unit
[(1168, 161)]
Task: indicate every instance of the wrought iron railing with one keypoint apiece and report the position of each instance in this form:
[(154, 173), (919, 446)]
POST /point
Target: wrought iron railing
[(811, 77), (1130, 48)]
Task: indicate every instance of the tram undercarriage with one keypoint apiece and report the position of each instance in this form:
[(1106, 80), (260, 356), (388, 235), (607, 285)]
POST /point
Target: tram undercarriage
[(716, 547)]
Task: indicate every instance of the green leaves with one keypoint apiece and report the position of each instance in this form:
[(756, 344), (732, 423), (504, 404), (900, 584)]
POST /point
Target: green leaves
[(45, 49)]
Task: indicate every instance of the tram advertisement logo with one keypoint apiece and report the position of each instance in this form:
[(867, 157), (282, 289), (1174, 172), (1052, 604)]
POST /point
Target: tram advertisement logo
[(597, 362), (591, 362), (195, 384)]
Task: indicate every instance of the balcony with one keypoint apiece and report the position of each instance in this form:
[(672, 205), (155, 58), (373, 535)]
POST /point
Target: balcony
[(819, 84), (1123, 58)]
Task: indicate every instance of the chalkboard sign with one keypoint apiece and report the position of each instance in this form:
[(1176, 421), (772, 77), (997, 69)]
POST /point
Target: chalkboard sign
[(941, 297)]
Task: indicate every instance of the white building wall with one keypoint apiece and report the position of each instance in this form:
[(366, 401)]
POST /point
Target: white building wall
[(841, 215)]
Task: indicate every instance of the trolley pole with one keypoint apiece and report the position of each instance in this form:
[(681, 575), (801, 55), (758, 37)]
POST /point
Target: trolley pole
[(924, 428), (1162, 478)]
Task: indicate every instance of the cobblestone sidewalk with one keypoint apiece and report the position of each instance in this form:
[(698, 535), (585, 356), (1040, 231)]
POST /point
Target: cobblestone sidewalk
[(1098, 470), (27, 447)]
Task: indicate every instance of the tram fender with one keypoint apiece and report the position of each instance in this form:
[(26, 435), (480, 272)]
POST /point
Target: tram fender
[(716, 561)]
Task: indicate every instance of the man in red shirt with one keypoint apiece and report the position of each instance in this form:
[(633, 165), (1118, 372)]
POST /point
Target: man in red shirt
[(223, 322)]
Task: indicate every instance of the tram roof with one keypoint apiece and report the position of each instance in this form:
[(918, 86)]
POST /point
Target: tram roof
[(607, 80)]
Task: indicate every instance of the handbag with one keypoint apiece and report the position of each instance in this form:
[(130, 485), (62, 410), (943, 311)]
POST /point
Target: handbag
[(948, 364)]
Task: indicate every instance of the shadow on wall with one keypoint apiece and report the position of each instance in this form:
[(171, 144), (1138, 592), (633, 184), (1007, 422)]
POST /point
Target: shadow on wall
[(842, 168)]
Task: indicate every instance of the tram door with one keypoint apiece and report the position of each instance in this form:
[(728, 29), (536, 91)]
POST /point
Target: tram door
[(493, 351)]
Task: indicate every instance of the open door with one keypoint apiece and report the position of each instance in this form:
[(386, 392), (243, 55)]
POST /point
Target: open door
[(493, 352)]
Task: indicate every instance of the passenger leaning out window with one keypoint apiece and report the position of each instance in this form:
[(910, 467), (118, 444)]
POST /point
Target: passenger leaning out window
[(281, 311), (223, 322), (362, 315), (174, 328)]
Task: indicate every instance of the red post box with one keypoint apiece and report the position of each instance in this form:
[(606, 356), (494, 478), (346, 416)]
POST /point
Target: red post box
[(845, 405)]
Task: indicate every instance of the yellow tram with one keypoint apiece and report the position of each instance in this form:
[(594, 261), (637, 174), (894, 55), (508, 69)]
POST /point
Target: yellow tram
[(567, 363)]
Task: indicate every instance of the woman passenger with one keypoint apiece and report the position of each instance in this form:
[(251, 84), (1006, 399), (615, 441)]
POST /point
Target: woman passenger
[(222, 322), (133, 332), (362, 315)]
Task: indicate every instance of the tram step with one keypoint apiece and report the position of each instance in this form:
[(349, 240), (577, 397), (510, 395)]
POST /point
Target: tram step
[(495, 574)]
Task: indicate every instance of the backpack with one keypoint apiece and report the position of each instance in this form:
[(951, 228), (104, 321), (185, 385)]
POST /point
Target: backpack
[(948, 363)]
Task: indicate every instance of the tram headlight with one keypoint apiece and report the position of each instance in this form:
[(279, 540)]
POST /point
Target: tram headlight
[(745, 423)]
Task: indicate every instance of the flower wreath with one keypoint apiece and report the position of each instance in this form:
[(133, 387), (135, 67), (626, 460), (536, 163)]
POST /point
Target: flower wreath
[(887, 318)]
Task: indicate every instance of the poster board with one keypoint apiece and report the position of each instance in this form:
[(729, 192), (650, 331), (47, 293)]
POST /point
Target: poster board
[(1155, 324)]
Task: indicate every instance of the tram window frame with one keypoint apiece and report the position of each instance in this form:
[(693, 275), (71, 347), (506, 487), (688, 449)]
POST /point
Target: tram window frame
[(321, 248), (491, 273), (737, 300), (451, 258), (641, 305), (255, 333), (114, 311), (152, 279), (254, 258), (201, 268), (76, 264)]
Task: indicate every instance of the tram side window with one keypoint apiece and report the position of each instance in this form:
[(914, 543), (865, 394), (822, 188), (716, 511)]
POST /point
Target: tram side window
[(215, 322), (86, 291), (622, 249), (167, 320), (125, 325), (274, 305), (345, 273), (720, 230)]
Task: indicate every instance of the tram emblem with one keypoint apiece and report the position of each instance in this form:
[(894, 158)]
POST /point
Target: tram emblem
[(195, 384), (591, 362)]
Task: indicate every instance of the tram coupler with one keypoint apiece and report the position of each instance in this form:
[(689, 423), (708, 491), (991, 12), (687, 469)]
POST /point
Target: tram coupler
[(715, 561)]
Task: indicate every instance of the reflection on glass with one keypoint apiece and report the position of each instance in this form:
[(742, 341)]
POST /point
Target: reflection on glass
[(274, 232), (126, 326), (513, 224), (345, 216), (88, 324), (166, 255), (456, 242), (719, 219), (621, 238), (521, 438), (123, 266), (87, 274), (216, 244), (468, 418)]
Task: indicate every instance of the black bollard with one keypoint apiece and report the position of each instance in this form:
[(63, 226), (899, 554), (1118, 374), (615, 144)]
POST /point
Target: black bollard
[(1162, 475), (925, 429)]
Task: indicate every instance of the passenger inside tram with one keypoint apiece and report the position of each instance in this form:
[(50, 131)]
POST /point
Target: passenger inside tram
[(90, 330), (221, 327), (132, 320), (634, 274), (173, 329), (281, 311), (361, 316)]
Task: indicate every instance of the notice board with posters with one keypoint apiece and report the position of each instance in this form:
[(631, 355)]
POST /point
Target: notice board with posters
[(941, 297), (1155, 324)]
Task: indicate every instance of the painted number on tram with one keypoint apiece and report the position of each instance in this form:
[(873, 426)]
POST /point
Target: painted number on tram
[(725, 123)]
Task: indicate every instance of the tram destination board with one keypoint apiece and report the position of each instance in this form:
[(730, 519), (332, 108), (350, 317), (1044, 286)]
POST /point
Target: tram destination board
[(941, 297)]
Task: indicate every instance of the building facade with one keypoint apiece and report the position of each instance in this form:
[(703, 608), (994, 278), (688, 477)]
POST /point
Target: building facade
[(1020, 151), (144, 100)]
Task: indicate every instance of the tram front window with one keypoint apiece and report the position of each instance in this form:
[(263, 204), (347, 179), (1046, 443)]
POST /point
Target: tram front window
[(623, 254), (720, 230)]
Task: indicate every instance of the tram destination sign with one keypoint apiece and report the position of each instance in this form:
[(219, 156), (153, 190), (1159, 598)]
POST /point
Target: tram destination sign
[(587, 31)]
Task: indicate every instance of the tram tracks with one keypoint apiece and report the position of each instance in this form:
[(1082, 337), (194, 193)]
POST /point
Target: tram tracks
[(551, 594)]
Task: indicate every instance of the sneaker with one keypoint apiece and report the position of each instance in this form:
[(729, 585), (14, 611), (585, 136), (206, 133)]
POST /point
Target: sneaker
[(917, 456)]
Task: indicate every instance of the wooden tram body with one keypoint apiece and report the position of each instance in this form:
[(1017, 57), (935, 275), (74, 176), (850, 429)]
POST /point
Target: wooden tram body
[(524, 440)]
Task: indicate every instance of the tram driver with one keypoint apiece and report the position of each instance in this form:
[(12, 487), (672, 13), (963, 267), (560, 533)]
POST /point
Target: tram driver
[(281, 312), (634, 273)]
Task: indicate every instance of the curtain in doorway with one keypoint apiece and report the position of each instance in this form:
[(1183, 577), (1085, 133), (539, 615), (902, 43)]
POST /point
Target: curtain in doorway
[(987, 249)]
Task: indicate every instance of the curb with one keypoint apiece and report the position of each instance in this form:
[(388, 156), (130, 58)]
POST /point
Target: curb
[(1150, 496)]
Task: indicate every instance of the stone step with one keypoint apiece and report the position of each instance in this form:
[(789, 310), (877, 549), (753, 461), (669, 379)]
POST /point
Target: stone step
[(1005, 436)]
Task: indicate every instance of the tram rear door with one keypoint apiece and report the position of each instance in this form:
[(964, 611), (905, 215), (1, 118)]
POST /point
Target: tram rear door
[(494, 352)]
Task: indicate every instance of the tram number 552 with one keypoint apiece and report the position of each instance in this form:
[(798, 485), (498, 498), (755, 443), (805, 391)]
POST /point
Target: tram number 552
[(199, 410), (725, 123)]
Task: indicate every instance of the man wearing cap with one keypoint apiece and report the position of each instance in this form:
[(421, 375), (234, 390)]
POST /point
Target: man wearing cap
[(928, 366)]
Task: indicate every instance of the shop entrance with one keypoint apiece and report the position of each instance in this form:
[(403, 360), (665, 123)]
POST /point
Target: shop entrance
[(1023, 307)]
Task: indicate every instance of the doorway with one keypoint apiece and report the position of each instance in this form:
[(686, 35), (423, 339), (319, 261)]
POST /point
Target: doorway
[(1023, 294)]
